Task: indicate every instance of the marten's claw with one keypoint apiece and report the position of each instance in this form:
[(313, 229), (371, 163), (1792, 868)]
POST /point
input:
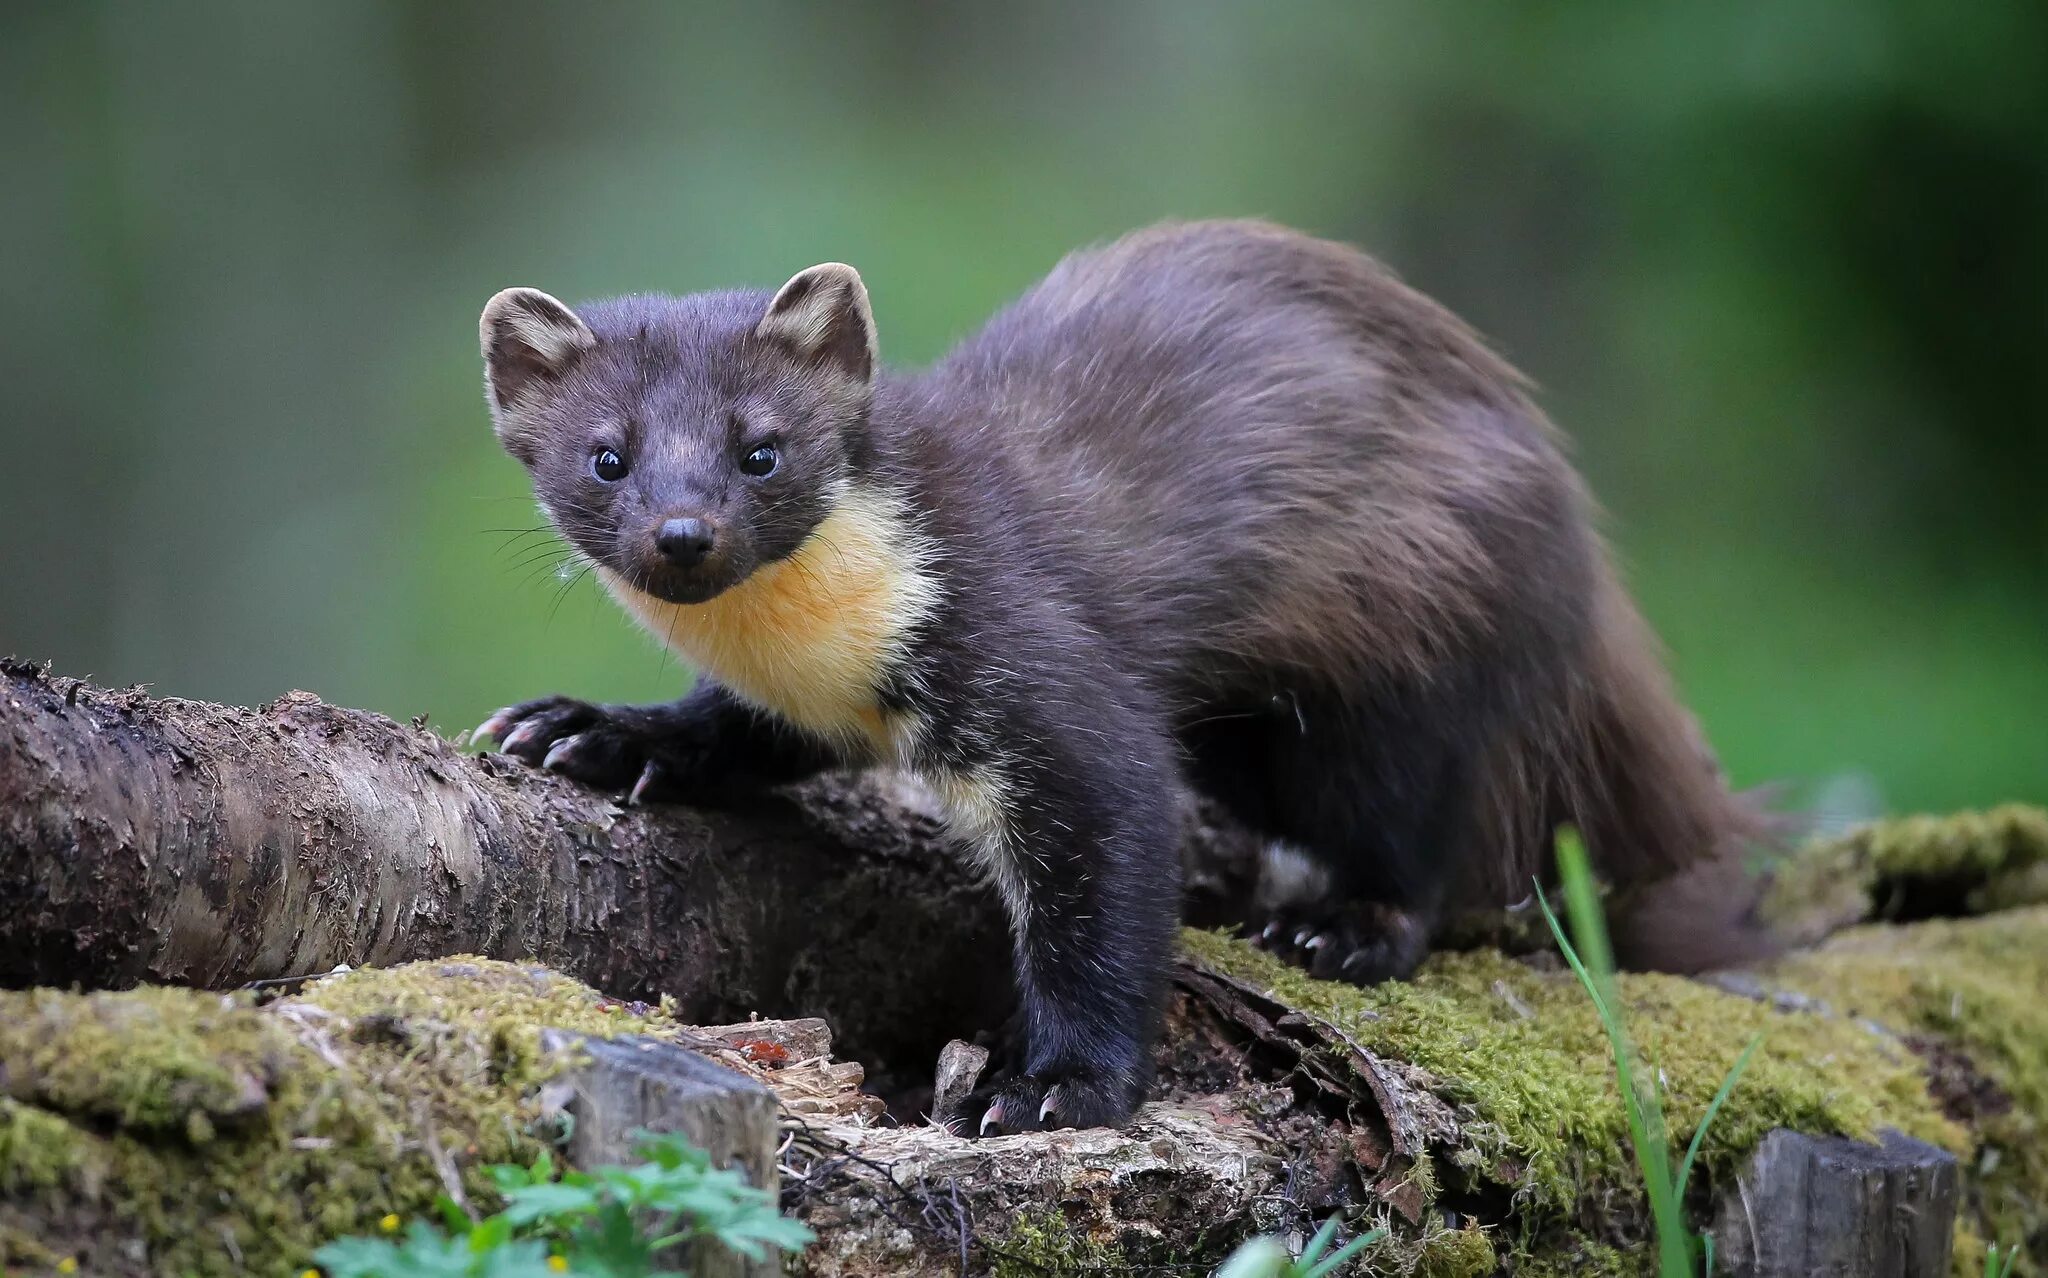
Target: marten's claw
[(1031, 1104), (491, 727), (648, 776), (571, 738), (558, 754)]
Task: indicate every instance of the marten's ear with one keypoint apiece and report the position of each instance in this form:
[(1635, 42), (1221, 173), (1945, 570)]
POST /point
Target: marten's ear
[(530, 340), (822, 316)]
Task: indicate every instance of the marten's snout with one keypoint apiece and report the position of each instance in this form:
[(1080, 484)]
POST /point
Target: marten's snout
[(685, 543)]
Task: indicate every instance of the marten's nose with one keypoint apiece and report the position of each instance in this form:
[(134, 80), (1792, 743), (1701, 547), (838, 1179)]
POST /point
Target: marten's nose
[(685, 542)]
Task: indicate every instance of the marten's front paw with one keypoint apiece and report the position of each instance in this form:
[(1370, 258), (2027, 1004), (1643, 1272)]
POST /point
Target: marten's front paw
[(1034, 1103), (588, 743)]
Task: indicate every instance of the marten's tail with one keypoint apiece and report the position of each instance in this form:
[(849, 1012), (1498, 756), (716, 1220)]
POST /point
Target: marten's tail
[(1628, 766), (1658, 817)]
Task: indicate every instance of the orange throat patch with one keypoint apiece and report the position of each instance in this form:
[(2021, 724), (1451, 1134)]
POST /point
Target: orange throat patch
[(810, 637)]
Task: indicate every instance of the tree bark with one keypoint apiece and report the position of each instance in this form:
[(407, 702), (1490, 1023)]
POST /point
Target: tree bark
[(182, 842)]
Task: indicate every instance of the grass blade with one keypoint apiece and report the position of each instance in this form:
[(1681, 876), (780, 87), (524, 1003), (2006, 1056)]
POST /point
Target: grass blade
[(1320, 1241), (1642, 1107), (1692, 1150), (1992, 1267), (1342, 1254), (1261, 1257)]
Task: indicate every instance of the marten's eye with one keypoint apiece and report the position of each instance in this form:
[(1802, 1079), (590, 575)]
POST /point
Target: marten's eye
[(608, 465), (760, 462)]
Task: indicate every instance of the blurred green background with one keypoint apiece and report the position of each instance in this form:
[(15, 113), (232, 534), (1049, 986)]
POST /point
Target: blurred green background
[(1780, 268)]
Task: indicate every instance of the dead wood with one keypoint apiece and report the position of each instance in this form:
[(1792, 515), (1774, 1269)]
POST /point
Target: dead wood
[(163, 840), (148, 840)]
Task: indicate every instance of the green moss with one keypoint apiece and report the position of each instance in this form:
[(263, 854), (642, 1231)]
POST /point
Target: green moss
[(40, 1152), (1966, 1259), (1045, 1245), (185, 1055), (1579, 1258), (479, 1012), (1521, 1054), (1980, 861), (1977, 985), (231, 1138), (234, 1138), (1540, 1112), (1457, 1253)]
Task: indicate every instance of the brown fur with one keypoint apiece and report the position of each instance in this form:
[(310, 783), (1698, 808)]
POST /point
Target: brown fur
[(1405, 507), (1216, 504)]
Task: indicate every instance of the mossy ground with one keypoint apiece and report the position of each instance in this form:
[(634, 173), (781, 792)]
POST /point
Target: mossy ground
[(1979, 988), (1970, 988), (1965, 863), (234, 1138), (211, 1135), (1521, 1053)]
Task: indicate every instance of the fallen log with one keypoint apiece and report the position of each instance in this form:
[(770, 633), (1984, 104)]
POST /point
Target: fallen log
[(181, 842), (161, 842)]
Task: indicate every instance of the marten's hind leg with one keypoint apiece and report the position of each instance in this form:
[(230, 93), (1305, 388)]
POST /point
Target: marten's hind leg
[(1371, 802), (1340, 938)]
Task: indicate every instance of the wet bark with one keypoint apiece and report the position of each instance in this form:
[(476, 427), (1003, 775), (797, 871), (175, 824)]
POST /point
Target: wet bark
[(163, 840)]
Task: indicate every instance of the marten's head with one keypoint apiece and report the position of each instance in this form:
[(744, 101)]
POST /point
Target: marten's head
[(682, 443)]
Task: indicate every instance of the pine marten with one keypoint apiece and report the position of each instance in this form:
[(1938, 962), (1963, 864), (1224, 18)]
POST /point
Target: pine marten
[(1218, 505)]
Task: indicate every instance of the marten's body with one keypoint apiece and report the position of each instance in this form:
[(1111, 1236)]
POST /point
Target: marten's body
[(1216, 504)]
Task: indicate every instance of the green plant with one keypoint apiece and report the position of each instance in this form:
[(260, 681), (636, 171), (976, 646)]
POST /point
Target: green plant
[(1648, 1133), (1265, 1257), (608, 1222), (2000, 1266)]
